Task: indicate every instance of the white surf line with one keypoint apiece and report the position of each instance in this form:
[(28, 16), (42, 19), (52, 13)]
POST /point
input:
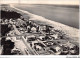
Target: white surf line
[(73, 32)]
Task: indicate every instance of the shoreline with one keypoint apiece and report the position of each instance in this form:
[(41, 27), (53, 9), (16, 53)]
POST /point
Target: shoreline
[(71, 31), (64, 15), (40, 21)]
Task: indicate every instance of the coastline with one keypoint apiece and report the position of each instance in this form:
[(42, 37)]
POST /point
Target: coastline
[(70, 31)]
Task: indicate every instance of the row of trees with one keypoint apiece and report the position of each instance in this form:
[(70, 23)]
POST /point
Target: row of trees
[(7, 45)]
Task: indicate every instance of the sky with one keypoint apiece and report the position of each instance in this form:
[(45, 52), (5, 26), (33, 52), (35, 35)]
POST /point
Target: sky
[(68, 2)]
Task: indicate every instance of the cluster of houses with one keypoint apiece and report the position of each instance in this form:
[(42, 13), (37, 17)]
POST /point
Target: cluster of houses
[(43, 39)]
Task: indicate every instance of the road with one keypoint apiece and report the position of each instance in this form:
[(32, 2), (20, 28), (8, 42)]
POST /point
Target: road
[(31, 51)]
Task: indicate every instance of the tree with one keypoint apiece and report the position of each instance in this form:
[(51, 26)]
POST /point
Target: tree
[(7, 47)]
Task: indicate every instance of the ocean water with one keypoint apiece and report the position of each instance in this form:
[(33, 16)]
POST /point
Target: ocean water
[(68, 15)]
